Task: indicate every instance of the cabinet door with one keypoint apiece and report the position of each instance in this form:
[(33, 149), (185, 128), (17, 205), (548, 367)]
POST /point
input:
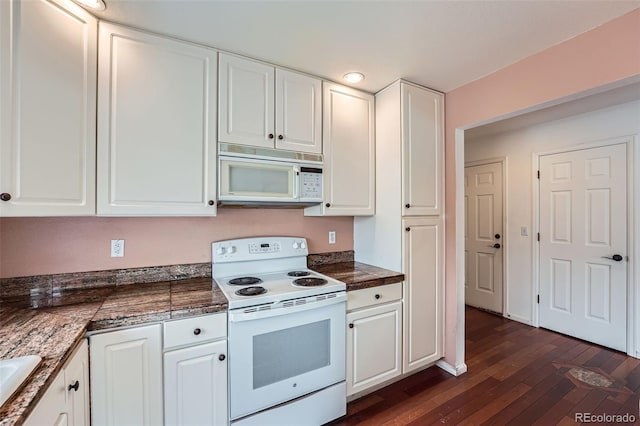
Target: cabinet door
[(195, 381), (156, 125), (349, 152), (373, 346), (51, 409), (126, 377), (423, 318), (77, 387), (422, 151), (47, 108), (246, 102), (298, 112)]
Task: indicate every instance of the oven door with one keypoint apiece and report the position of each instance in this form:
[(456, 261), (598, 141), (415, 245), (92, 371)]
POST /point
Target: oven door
[(278, 355)]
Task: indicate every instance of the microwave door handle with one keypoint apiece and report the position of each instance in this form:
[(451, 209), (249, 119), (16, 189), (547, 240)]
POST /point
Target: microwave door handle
[(296, 182)]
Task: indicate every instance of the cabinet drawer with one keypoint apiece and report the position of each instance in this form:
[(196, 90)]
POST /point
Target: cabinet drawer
[(194, 330), (373, 296)]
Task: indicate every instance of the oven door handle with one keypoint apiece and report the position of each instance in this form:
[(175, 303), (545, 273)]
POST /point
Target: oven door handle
[(284, 308)]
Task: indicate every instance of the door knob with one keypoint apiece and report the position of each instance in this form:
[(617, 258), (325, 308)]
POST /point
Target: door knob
[(497, 236), (5, 196), (75, 386), (496, 246), (615, 257)]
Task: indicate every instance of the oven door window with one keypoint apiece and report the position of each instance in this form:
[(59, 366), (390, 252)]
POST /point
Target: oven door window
[(287, 353)]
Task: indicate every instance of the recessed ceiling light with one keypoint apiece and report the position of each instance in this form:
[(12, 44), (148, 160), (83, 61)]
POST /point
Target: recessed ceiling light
[(93, 4), (354, 77)]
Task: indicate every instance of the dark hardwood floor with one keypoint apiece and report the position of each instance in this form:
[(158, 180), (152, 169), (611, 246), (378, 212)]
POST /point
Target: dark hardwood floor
[(517, 375)]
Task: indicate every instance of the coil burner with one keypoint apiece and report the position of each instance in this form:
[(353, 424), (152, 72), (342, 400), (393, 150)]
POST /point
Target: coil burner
[(309, 282), (251, 291), (299, 273), (245, 281)]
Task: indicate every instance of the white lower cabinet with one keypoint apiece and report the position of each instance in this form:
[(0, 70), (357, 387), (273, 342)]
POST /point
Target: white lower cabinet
[(423, 316), (66, 402), (195, 381), (126, 377), (195, 376), (374, 337), (129, 367)]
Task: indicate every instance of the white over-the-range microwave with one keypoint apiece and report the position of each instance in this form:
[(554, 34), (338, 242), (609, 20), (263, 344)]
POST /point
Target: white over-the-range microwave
[(262, 177)]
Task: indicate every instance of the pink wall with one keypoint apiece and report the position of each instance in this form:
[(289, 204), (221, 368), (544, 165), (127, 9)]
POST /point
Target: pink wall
[(34, 246), (598, 57)]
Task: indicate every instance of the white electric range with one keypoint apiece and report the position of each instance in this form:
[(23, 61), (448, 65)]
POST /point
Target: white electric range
[(286, 333)]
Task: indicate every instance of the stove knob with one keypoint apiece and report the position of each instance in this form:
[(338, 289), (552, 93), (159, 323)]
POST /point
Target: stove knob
[(231, 250), (220, 250), (296, 245), (303, 245)]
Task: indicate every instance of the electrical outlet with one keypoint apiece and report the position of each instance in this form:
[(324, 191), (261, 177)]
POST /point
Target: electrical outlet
[(332, 237), (117, 248)]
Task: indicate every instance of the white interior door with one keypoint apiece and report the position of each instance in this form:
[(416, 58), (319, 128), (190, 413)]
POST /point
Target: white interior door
[(583, 220), (483, 236)]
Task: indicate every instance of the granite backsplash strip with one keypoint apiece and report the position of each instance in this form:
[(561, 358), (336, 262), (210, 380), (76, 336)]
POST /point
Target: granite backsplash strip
[(319, 259), (46, 285)]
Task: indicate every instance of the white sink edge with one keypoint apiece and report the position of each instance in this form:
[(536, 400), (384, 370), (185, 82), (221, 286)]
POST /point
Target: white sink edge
[(13, 373)]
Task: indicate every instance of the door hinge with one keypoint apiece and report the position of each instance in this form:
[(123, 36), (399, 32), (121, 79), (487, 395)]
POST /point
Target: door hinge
[(538, 174), (538, 299), (538, 236)]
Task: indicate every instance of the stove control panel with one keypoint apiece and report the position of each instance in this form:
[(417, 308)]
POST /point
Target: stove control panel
[(258, 248), (264, 247)]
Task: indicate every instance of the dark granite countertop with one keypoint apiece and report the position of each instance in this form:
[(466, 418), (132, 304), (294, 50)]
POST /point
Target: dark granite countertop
[(52, 323), (358, 275)]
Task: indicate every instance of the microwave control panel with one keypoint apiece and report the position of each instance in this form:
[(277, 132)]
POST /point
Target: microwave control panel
[(311, 183)]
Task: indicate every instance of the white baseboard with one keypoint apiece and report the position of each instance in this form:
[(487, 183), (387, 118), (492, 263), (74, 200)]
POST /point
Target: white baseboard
[(454, 371), (518, 318)]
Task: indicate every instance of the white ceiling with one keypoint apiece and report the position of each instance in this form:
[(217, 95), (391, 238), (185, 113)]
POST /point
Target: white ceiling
[(439, 44)]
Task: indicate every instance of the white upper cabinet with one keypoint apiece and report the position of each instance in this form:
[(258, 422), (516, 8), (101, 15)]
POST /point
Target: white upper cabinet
[(266, 107), (298, 112), (349, 153), (422, 151), (47, 108), (156, 125), (246, 102)]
